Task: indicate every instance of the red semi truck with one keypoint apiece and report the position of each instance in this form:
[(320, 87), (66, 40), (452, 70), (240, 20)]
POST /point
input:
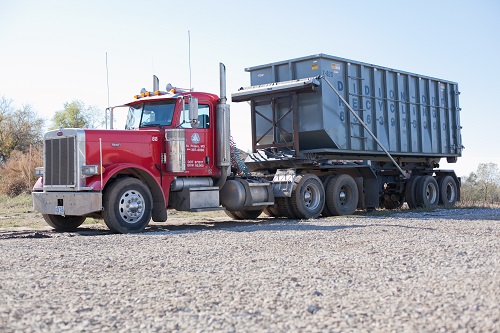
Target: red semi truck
[(175, 151)]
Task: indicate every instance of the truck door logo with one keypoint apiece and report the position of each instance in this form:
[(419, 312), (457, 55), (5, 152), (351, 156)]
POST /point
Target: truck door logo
[(195, 138)]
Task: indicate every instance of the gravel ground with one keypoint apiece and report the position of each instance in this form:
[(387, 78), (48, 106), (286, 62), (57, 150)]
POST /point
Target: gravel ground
[(404, 272)]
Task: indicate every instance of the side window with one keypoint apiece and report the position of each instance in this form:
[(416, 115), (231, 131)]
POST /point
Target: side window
[(203, 117)]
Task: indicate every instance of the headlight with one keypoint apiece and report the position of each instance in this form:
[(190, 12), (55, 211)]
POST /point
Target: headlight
[(39, 171), (90, 170)]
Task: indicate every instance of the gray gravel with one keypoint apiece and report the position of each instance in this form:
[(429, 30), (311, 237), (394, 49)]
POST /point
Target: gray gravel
[(405, 272)]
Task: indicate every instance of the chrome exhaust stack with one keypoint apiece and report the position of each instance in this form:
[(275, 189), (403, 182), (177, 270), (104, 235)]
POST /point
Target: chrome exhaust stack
[(223, 129)]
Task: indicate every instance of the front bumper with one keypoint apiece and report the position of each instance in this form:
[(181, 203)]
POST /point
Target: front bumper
[(67, 203)]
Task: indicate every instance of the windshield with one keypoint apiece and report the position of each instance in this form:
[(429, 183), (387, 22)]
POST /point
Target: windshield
[(150, 114)]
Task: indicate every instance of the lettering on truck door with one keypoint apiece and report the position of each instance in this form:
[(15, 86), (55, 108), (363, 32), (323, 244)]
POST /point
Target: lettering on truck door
[(199, 143)]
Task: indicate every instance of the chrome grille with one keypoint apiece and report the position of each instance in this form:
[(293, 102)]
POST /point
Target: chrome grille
[(60, 161)]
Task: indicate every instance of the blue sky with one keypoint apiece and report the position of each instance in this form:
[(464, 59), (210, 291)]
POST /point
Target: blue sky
[(53, 52)]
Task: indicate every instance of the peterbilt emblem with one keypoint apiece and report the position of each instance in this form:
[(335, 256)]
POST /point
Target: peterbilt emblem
[(195, 138), (115, 144)]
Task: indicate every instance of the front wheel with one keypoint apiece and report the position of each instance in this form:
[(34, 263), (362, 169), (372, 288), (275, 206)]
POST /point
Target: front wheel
[(127, 206), (64, 223)]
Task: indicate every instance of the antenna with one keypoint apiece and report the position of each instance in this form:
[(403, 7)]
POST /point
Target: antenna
[(107, 84), (189, 60)]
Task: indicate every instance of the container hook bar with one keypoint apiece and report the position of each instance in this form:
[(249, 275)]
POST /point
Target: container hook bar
[(405, 174)]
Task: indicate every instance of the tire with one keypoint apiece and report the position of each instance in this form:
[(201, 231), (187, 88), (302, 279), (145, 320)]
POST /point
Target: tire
[(448, 191), (64, 223), (342, 195), (427, 192), (326, 212), (272, 211), (308, 197), (410, 192), (244, 214), (231, 214), (285, 208), (127, 206)]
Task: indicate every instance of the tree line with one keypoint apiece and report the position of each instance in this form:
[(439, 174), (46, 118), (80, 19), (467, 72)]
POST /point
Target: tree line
[(21, 139), (481, 187)]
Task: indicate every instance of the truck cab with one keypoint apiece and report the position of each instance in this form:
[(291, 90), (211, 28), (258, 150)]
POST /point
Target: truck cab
[(174, 153), (183, 112), (132, 175)]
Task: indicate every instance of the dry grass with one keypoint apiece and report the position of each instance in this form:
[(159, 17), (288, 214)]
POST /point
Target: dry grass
[(17, 176), (18, 212), (471, 205)]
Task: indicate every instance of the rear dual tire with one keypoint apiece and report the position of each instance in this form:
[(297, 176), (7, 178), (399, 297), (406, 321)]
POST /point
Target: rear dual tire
[(341, 195), (308, 197), (337, 195), (427, 192), (448, 191), (306, 202)]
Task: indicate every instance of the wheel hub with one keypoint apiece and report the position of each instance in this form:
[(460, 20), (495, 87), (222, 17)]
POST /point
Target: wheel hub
[(307, 198), (311, 197), (131, 206), (431, 193), (342, 196)]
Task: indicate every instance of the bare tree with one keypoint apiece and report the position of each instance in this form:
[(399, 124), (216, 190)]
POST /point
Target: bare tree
[(19, 128), (489, 177)]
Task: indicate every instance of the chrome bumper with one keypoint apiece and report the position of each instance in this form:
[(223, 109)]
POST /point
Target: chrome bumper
[(67, 203)]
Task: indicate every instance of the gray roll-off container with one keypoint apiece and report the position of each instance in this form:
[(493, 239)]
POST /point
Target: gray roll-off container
[(321, 114), (410, 114)]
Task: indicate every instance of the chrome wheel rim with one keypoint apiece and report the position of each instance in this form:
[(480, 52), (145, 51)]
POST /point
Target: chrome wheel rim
[(131, 206), (312, 197), (431, 193), (450, 192)]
